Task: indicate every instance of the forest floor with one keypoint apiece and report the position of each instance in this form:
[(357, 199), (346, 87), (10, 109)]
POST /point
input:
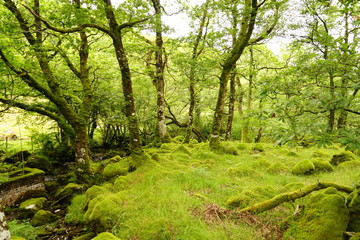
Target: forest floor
[(188, 191)]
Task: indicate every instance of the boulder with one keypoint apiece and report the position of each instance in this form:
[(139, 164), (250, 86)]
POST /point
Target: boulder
[(17, 157), (32, 205), (42, 217), (342, 157), (40, 162), (105, 236), (67, 191), (324, 217), (4, 231), (303, 167)]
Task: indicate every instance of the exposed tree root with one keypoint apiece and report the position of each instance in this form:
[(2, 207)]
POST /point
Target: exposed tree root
[(290, 196)]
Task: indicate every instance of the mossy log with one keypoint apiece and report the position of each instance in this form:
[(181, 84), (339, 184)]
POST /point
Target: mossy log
[(290, 196)]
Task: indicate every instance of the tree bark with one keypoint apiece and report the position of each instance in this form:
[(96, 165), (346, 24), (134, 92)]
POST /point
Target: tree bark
[(247, 27), (231, 106)]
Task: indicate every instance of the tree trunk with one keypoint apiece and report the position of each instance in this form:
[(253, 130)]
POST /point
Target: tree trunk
[(159, 80), (231, 106), (247, 27), (331, 117)]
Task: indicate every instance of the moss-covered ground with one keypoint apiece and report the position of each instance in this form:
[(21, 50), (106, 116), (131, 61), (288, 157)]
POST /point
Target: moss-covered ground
[(188, 191)]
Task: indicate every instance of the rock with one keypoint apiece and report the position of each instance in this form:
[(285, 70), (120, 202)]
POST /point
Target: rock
[(116, 169), (105, 236), (277, 168), (353, 164), (342, 157), (42, 217), (4, 232), (69, 190), (303, 167), (322, 165), (21, 185), (17, 157), (324, 217), (40, 162), (353, 203), (32, 205), (87, 236)]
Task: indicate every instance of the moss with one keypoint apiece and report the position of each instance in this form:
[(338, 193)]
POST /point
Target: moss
[(325, 217), (242, 146), (87, 236), (117, 169), (262, 163), (41, 162), (69, 190), (139, 158), (229, 149), (242, 199), (76, 210), (353, 203), (105, 236), (292, 186), (95, 191), (258, 148), (169, 146), (320, 154), (242, 171), (292, 154), (121, 183), (22, 174), (344, 156), (303, 167), (33, 205), (193, 141), (277, 168), (322, 165), (104, 210), (178, 139), (17, 238), (183, 149), (42, 217), (356, 236), (354, 164)]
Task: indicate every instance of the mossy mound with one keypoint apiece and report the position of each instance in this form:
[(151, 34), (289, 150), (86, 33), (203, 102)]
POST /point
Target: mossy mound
[(105, 236), (169, 146), (32, 205), (17, 238), (76, 210), (242, 199), (104, 210), (242, 147), (69, 190), (262, 163), (120, 168), (353, 203), (17, 157), (324, 217), (277, 168), (121, 183), (87, 236), (344, 156), (349, 165), (303, 167), (322, 165), (179, 139), (320, 154), (40, 162), (183, 149), (96, 190), (42, 217), (292, 186), (258, 148)]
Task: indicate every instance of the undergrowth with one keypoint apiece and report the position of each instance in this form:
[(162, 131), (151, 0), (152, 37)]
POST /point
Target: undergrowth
[(188, 192)]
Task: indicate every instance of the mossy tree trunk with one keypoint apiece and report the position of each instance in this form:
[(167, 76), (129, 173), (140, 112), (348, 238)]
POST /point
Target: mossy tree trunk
[(159, 77), (196, 51), (247, 26)]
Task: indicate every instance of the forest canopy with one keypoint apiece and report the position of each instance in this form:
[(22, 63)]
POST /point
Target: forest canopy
[(117, 74)]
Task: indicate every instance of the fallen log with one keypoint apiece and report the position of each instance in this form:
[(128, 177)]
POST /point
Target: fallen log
[(291, 196)]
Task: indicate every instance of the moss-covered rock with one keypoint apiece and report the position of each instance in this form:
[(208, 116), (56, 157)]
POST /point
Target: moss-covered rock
[(178, 139), (322, 165), (349, 165), (258, 148), (356, 236), (342, 157), (277, 168), (95, 191), (17, 157), (353, 203), (105, 236), (117, 169), (87, 236), (69, 190), (325, 217), (40, 162), (183, 149), (320, 154), (76, 210), (242, 199), (32, 205), (262, 163), (104, 210), (303, 167), (242, 146), (17, 238), (42, 217), (121, 183)]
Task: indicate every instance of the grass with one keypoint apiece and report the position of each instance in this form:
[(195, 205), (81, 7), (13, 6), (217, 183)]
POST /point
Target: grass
[(184, 194)]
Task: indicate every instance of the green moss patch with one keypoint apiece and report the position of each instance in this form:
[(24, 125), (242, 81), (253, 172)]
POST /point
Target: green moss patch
[(342, 157), (325, 217), (69, 190), (117, 169), (42, 217), (354, 164), (322, 165), (303, 167), (277, 168), (33, 204), (105, 236), (76, 210), (38, 161), (294, 186)]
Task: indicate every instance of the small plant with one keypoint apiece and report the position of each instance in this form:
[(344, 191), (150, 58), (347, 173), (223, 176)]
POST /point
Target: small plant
[(22, 229)]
